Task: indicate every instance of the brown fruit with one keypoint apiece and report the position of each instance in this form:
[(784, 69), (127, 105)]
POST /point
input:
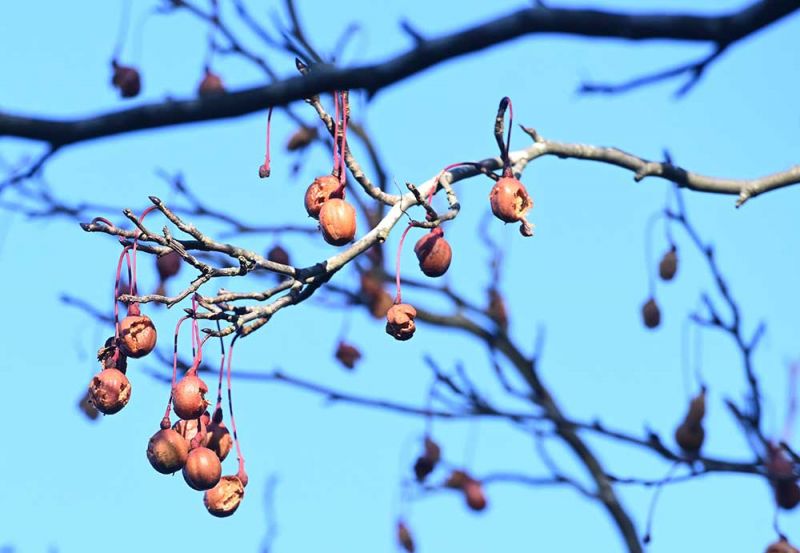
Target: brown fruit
[(782, 546), (457, 480), (434, 253), (202, 470), (320, 191), (404, 537), (651, 315), (780, 469), (167, 451), (223, 499), (301, 138), (188, 397), (110, 356), (277, 254), (787, 494), (126, 79), (337, 219), (137, 334), (669, 264), (432, 450), (218, 439), (347, 354), (109, 391), (509, 200), (423, 467), (690, 433), (211, 85), (400, 321), (473, 494), (168, 265)]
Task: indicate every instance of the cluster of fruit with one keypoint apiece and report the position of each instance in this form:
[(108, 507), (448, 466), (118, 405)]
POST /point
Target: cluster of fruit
[(128, 81)]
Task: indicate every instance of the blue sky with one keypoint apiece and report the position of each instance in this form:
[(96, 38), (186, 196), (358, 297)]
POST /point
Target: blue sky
[(72, 485)]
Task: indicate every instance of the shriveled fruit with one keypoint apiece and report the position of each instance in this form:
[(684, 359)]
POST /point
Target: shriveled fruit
[(167, 451), (137, 334), (188, 397), (404, 537), (651, 314), (433, 253), (301, 138), (202, 470), (320, 191), (347, 354), (219, 439), (509, 200), (210, 85), (668, 265), (111, 357), (780, 470), (457, 480), (168, 265), (690, 433), (109, 391), (337, 219), (189, 428), (474, 496), (400, 321), (223, 499), (126, 79), (422, 468), (782, 546)]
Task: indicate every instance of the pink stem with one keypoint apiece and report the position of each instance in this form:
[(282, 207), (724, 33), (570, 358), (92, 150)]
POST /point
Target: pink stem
[(398, 297), (218, 406), (123, 255), (335, 131), (174, 365), (230, 409)]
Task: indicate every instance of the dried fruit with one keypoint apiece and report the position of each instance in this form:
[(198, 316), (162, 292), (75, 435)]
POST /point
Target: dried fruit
[(457, 480), (337, 219), (780, 469), (669, 264), (168, 265), (189, 428), (690, 433), (167, 451), (218, 439), (202, 470), (434, 253), (509, 199), (110, 356), (422, 468), (277, 254), (223, 499), (320, 191), (473, 494), (301, 138), (211, 85), (347, 354), (137, 334), (188, 397), (400, 321), (651, 315), (404, 537), (782, 546), (126, 79), (109, 391)]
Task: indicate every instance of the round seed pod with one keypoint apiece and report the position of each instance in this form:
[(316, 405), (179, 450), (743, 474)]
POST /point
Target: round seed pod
[(223, 499), (400, 321), (210, 85), (668, 265), (433, 253), (167, 451), (137, 334), (168, 265), (126, 79), (109, 391), (202, 470), (474, 496), (320, 191), (218, 439), (188, 397), (651, 315), (337, 219), (509, 200)]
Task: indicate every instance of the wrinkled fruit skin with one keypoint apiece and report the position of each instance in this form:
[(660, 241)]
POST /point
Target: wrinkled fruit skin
[(167, 451), (188, 397), (347, 354), (651, 314), (400, 321), (223, 499), (321, 190), (211, 85), (404, 537), (168, 265), (109, 391), (668, 265), (301, 138), (473, 494), (218, 439), (509, 200), (202, 470), (137, 336), (433, 253), (337, 219), (127, 80), (782, 546)]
